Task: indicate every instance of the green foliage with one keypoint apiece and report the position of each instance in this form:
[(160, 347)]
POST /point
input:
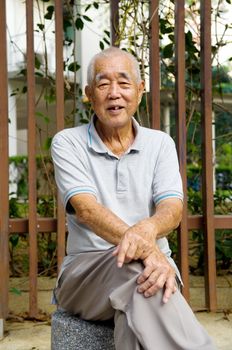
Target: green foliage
[(14, 240), (223, 238), (15, 291), (194, 201), (14, 210), (224, 155), (20, 163), (224, 248), (50, 12), (79, 23), (47, 254), (223, 178), (74, 67), (45, 175), (45, 206)]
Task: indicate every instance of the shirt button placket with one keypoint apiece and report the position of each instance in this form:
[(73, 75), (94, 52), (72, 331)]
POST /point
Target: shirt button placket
[(121, 175)]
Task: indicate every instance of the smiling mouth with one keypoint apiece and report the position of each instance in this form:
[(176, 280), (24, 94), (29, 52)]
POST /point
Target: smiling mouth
[(115, 108)]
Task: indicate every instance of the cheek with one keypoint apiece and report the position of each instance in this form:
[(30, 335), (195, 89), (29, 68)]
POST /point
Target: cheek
[(99, 98), (96, 102), (134, 100)]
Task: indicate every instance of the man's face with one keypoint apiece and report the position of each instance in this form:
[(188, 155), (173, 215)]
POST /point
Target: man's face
[(114, 94)]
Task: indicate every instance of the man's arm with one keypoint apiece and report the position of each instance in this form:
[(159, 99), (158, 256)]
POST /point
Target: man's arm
[(98, 218), (135, 242)]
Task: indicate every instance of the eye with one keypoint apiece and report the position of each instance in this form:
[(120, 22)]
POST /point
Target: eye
[(103, 85), (124, 84)]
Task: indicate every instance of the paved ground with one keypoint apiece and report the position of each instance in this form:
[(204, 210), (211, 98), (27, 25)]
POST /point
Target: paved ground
[(25, 335)]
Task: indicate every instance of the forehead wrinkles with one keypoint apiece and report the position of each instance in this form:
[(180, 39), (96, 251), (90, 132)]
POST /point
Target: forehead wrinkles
[(118, 65), (100, 76)]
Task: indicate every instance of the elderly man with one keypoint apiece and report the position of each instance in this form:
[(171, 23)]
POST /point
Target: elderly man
[(121, 188)]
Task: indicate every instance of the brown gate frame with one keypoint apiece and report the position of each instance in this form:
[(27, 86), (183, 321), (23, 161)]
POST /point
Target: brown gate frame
[(208, 221)]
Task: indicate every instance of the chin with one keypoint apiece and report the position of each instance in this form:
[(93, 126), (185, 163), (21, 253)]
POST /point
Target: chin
[(119, 124), (119, 121)]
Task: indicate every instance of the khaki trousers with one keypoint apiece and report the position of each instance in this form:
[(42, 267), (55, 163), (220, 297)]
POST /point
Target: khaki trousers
[(93, 287)]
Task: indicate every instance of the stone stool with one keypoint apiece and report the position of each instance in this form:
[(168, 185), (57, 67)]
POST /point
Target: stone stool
[(71, 333)]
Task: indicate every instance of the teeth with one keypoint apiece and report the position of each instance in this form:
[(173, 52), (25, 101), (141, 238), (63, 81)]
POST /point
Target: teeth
[(115, 108)]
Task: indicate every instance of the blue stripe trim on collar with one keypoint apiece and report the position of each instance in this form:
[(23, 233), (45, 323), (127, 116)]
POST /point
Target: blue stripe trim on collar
[(89, 134)]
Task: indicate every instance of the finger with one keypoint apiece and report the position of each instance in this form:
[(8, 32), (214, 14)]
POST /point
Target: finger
[(159, 284), (145, 274), (131, 252), (170, 288), (150, 282), (123, 247)]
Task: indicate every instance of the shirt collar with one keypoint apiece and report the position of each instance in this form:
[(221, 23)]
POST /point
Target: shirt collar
[(96, 143)]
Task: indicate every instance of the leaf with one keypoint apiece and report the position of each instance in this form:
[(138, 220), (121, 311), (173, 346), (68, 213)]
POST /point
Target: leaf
[(50, 98), (47, 143), (37, 62), (15, 291), (74, 67), (87, 18), (14, 240), (15, 92), (101, 44), (50, 11), (66, 24), (23, 72), (79, 24), (45, 117), (24, 90), (39, 74), (87, 7), (40, 26), (106, 41), (52, 245), (168, 51), (165, 27), (95, 4), (190, 45), (107, 33)]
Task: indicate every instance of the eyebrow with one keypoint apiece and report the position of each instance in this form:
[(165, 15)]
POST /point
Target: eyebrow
[(100, 76)]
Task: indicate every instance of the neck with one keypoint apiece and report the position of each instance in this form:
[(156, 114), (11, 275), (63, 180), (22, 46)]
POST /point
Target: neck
[(118, 140)]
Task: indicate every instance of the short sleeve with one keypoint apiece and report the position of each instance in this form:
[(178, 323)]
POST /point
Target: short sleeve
[(167, 182), (72, 174)]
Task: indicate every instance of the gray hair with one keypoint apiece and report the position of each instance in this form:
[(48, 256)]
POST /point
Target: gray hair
[(111, 52)]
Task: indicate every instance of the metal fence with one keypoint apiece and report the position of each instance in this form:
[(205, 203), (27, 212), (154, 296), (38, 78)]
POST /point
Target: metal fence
[(33, 225)]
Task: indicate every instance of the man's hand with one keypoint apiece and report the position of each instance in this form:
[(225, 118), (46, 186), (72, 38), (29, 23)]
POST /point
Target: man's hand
[(138, 242), (157, 274)]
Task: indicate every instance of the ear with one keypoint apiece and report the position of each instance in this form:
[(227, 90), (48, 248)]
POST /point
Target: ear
[(88, 93), (141, 90)]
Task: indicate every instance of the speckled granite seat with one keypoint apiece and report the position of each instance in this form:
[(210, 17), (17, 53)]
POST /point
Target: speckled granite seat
[(71, 333)]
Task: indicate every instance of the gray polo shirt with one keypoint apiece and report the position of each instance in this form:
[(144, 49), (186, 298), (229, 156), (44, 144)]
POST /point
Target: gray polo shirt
[(130, 185)]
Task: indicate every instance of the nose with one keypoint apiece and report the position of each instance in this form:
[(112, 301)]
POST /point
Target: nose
[(114, 92)]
